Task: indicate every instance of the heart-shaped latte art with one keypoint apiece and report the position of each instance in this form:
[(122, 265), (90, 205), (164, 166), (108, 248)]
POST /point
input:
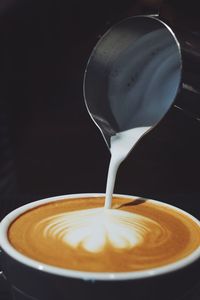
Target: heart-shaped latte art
[(93, 229)]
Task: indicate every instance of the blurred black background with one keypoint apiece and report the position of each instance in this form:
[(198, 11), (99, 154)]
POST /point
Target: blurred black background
[(48, 143)]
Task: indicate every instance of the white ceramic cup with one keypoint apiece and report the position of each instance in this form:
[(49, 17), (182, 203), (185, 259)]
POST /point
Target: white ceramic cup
[(30, 279)]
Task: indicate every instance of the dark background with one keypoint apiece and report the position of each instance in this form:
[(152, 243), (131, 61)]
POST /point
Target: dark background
[(48, 143)]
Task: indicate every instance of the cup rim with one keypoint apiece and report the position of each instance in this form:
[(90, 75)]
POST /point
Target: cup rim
[(107, 276)]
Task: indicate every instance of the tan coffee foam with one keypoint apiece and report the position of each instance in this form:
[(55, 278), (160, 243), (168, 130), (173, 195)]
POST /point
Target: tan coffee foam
[(77, 234)]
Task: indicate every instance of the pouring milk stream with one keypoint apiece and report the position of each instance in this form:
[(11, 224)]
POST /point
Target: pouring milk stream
[(121, 145)]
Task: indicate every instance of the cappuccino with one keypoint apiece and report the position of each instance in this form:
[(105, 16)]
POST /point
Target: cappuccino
[(80, 234)]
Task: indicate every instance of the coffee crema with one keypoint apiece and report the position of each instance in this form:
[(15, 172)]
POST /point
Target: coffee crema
[(80, 234)]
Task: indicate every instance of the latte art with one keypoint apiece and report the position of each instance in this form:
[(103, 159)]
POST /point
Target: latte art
[(80, 234), (93, 229)]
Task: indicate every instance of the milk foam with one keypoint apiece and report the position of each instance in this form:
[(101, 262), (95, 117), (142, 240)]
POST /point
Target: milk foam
[(120, 146), (94, 229)]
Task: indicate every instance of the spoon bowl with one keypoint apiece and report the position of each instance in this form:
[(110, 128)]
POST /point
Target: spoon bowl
[(132, 76)]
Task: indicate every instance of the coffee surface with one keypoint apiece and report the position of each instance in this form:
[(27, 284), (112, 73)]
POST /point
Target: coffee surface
[(80, 234)]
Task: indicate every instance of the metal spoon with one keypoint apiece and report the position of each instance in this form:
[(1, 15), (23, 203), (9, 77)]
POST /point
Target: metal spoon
[(133, 75)]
